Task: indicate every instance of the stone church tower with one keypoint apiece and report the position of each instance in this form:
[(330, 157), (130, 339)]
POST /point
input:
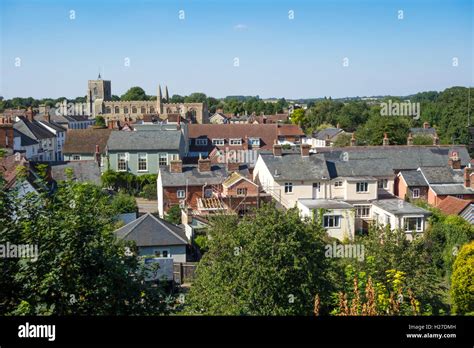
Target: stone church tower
[(98, 91)]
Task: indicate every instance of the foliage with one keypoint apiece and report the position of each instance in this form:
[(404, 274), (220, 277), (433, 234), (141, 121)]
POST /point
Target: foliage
[(174, 215), (343, 140), (270, 264), (134, 93), (128, 182), (462, 287), (100, 121), (149, 191), (201, 242), (422, 140), (123, 203)]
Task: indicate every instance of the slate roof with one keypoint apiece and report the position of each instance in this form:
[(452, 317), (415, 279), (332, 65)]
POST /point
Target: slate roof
[(145, 140), (442, 175), (84, 171), (398, 206), (24, 139), (331, 131), (53, 125), (32, 129), (83, 141), (413, 178), (423, 131), (149, 230), (453, 205), (325, 204), (191, 175), (451, 189), (291, 166)]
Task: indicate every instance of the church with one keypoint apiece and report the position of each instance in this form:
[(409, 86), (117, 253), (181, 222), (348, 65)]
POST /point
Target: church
[(99, 98)]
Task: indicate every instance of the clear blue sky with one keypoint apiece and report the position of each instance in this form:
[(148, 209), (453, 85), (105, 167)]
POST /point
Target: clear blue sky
[(278, 57)]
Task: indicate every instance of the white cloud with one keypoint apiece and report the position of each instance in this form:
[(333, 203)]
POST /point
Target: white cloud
[(240, 27)]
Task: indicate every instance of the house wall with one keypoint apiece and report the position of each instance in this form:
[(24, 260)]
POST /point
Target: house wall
[(177, 252), (84, 156), (396, 221), (351, 194), (132, 165), (252, 189)]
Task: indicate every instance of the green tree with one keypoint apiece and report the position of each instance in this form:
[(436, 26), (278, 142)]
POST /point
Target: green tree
[(422, 140), (270, 264), (134, 93), (343, 140), (100, 121), (195, 98), (174, 215), (462, 287), (123, 203)]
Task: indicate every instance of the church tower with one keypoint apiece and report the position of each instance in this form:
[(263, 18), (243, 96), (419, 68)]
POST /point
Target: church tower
[(167, 97), (98, 91), (159, 101)]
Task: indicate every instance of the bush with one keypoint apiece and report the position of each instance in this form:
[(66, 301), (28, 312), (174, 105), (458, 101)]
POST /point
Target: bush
[(123, 203), (174, 215), (149, 191), (462, 281)]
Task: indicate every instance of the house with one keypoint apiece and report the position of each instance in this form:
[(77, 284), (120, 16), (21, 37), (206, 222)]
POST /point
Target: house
[(157, 237), (63, 118), (456, 206), (26, 145), (325, 137), (426, 130), (10, 168), (219, 118), (82, 171), (47, 149), (58, 131), (270, 119), (144, 151), (7, 133), (86, 144), (207, 188)]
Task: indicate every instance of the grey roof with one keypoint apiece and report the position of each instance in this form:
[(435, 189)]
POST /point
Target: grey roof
[(399, 207), (442, 175), (322, 134), (191, 176), (324, 204), (291, 166), (413, 178), (32, 129), (149, 230), (145, 140), (53, 125), (84, 171), (423, 131), (452, 189), (25, 140)]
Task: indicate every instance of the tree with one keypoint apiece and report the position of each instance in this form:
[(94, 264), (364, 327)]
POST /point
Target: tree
[(100, 121), (270, 264), (298, 117), (134, 93), (343, 140), (195, 98), (123, 203), (176, 98), (422, 140), (174, 215), (462, 286)]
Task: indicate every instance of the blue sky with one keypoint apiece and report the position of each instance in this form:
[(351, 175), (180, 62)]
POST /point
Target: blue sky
[(278, 56)]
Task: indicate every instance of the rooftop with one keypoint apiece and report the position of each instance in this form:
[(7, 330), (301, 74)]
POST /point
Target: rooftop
[(453, 205), (398, 206), (143, 140), (84, 141)]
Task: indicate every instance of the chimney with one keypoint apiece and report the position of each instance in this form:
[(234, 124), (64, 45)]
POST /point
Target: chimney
[(29, 114), (204, 165), (410, 140), (305, 150), (327, 142), (426, 125), (385, 141), (277, 149), (467, 176), (47, 116), (233, 166), (338, 126), (178, 127), (176, 166), (436, 140), (454, 161), (353, 139), (6, 135)]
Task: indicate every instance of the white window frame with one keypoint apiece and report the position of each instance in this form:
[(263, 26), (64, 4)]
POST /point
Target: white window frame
[(138, 161), (254, 142), (288, 187), (417, 194), (242, 191), (125, 155), (336, 221), (235, 141), (338, 183), (76, 159), (218, 142), (419, 224), (162, 156), (359, 186), (180, 194), (382, 183), (201, 142), (362, 209)]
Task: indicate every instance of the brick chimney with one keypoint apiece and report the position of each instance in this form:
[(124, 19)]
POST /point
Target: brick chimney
[(304, 148), (426, 125), (454, 161), (6, 135), (338, 126), (436, 139), (204, 165), (176, 166), (327, 141), (30, 114), (410, 140), (353, 139), (467, 176), (47, 116), (385, 141), (233, 166), (277, 149)]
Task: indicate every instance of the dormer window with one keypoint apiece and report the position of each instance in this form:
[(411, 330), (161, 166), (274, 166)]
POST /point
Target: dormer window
[(362, 187), (201, 142), (254, 142), (235, 141), (218, 142)]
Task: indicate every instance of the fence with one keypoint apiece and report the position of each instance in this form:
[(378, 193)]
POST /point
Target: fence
[(184, 272)]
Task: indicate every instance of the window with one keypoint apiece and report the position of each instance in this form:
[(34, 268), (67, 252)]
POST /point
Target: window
[(122, 162), (180, 194), (236, 141), (162, 253), (76, 157), (143, 110), (387, 219), (152, 109), (201, 142), (217, 141), (134, 109), (383, 183), (254, 142), (163, 159), (416, 193), (338, 184), (165, 253), (117, 110), (330, 221), (288, 187), (108, 110), (459, 196), (142, 162), (207, 193), (242, 191), (362, 211), (362, 187), (125, 110), (413, 224)]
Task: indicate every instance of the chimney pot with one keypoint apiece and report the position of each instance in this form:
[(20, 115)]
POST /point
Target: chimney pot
[(410, 140), (277, 150), (426, 125), (176, 166), (305, 150), (385, 141), (204, 165), (353, 139)]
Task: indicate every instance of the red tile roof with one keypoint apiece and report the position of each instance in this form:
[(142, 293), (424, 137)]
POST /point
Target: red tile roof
[(452, 205)]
